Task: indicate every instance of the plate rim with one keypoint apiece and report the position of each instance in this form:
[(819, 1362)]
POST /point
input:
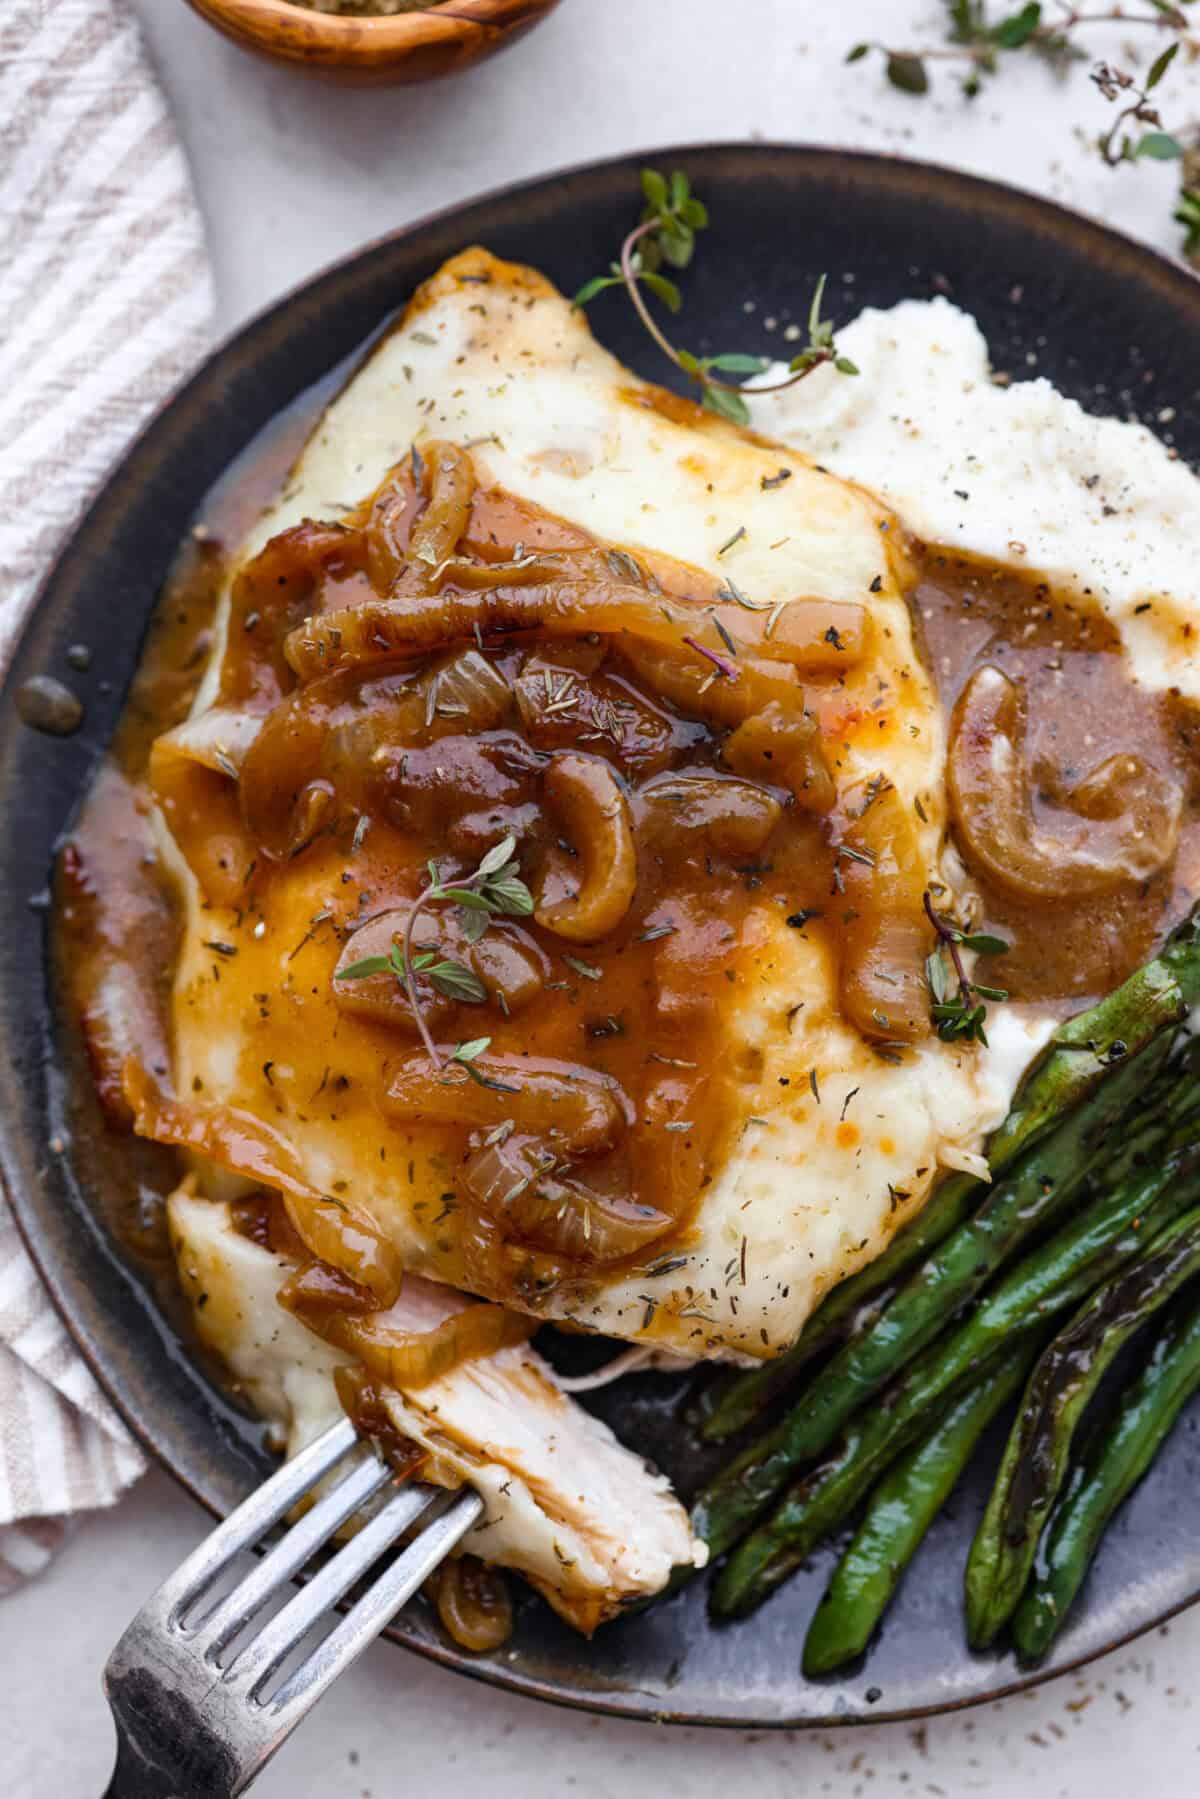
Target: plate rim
[(1057, 220)]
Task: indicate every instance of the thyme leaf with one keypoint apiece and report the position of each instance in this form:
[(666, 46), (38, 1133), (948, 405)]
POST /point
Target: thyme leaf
[(956, 1009), (671, 219), (455, 981), (358, 971), (493, 888)]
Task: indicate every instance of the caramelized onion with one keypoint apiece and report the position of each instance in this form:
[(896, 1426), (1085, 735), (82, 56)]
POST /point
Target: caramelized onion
[(782, 745), (473, 1604), (338, 1231), (450, 477), (270, 597), (407, 1358), (1119, 825), (577, 1110), (315, 1289), (585, 796), (490, 1263), (193, 776), (383, 627), (464, 692), (690, 682), (319, 749), (262, 1218), (693, 813), (772, 736), (382, 997), (521, 1183), (510, 965), (886, 936), (386, 532), (815, 634), (364, 1403), (507, 961), (407, 535), (534, 570), (652, 635), (455, 785), (564, 700)]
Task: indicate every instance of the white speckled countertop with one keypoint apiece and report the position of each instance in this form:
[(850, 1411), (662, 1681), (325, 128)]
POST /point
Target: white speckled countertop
[(291, 175)]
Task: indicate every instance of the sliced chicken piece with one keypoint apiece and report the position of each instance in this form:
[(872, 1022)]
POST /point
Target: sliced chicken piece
[(581, 1517)]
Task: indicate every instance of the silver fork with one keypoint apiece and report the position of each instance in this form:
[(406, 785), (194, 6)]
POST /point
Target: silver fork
[(195, 1708)]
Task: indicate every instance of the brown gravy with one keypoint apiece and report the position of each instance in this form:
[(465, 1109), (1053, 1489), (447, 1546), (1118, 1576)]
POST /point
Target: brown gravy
[(1080, 705), (114, 915)]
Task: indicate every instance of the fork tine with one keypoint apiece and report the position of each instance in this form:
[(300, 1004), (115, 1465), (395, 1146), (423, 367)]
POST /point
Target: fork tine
[(259, 1659), (362, 1624), (255, 1516), (290, 1554)]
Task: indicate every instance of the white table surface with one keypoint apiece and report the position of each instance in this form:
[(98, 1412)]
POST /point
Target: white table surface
[(291, 175)]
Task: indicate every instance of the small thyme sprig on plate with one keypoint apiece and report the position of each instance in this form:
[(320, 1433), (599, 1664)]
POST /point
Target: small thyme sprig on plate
[(495, 888), (978, 43), (959, 1015), (666, 234)]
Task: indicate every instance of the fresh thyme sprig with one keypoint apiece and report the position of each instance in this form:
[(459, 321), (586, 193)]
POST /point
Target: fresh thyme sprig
[(495, 888), (978, 44), (959, 1015), (1118, 144), (973, 40), (666, 233)]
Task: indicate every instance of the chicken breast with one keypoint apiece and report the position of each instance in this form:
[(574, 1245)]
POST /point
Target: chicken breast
[(828, 1145), (585, 1520)]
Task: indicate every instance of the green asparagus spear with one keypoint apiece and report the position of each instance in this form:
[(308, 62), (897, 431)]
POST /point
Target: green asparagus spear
[(1115, 1463), (1040, 1185), (1050, 1279), (900, 1511), (1077, 1057), (1064, 1380)]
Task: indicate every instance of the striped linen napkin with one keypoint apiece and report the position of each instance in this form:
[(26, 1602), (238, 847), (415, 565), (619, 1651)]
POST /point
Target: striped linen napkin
[(105, 303)]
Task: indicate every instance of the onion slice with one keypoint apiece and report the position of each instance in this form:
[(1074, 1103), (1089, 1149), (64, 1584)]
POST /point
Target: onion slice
[(319, 749), (886, 935), (577, 1110), (473, 1603), (507, 961), (1117, 826), (370, 632), (270, 596), (406, 1358), (337, 1231), (782, 745), (590, 803), (540, 1204), (450, 475), (691, 813)]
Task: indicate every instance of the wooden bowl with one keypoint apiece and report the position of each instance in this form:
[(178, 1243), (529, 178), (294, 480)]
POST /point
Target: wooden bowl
[(414, 46)]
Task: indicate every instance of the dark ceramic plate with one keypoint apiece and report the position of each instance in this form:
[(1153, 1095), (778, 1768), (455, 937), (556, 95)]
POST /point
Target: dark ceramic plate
[(1110, 323)]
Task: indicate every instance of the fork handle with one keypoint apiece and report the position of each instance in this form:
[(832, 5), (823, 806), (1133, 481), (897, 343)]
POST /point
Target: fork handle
[(166, 1748), (134, 1778)]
